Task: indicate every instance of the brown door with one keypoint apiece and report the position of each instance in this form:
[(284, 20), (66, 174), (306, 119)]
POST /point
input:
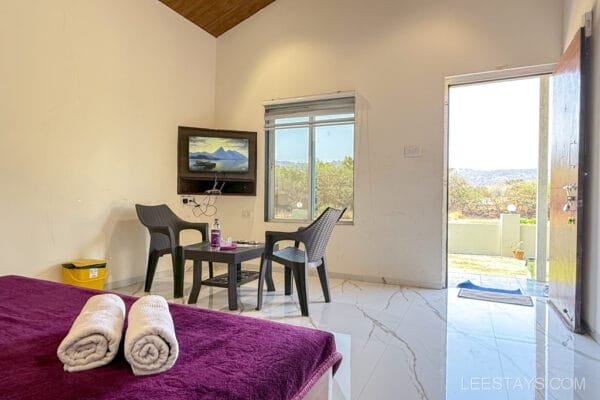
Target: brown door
[(567, 182)]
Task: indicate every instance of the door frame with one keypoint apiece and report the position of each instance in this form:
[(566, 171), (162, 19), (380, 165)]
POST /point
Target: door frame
[(480, 77)]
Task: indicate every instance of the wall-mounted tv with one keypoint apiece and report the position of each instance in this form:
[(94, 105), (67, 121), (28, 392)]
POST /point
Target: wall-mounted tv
[(218, 154), (209, 154)]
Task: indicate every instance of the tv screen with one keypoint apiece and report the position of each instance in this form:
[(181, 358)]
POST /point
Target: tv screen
[(217, 154)]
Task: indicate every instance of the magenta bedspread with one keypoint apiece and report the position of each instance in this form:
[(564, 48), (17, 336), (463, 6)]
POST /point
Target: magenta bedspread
[(222, 356)]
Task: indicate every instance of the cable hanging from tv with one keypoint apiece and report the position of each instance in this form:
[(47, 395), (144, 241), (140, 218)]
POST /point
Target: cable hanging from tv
[(215, 190), (207, 206)]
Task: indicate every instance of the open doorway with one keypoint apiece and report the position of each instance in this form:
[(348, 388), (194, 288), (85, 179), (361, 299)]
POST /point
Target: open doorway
[(497, 218)]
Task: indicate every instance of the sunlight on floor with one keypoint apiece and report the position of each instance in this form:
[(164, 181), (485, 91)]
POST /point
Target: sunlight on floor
[(494, 271)]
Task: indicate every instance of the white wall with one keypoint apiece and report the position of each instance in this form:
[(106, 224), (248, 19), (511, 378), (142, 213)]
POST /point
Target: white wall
[(591, 303), (474, 238), (529, 237), (92, 94), (395, 54)]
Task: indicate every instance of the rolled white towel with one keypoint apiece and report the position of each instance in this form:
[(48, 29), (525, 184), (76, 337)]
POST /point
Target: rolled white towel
[(150, 343), (94, 337)]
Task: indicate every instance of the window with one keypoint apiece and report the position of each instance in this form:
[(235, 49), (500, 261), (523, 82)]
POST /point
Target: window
[(310, 159)]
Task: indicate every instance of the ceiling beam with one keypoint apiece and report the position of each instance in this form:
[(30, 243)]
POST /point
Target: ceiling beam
[(216, 16)]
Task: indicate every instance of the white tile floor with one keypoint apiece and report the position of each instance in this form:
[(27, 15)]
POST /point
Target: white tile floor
[(406, 343)]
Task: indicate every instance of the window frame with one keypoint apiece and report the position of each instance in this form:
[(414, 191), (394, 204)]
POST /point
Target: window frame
[(311, 110)]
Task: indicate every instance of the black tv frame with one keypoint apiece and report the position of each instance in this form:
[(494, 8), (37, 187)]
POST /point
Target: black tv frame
[(197, 182)]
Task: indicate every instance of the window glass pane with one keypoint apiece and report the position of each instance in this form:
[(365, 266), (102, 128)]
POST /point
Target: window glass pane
[(291, 120), (334, 153), (333, 116), (291, 195)]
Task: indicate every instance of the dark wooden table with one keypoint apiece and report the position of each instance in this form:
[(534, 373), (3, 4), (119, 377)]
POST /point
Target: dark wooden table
[(200, 252)]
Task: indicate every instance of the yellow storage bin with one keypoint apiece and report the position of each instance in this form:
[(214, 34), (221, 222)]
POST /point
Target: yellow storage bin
[(85, 273)]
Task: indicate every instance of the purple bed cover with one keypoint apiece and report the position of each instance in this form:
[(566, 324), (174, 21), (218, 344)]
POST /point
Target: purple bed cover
[(221, 356)]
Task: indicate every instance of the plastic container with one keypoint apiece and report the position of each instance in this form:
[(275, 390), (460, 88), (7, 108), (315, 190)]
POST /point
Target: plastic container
[(85, 273), (215, 234)]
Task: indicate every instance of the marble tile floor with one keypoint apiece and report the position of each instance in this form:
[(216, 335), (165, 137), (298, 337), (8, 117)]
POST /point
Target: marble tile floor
[(408, 343)]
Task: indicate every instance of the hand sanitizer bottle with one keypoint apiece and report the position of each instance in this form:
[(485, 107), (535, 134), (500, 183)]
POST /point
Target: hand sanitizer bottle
[(215, 234)]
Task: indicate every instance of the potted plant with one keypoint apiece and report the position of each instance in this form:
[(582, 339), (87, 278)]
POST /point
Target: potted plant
[(517, 252)]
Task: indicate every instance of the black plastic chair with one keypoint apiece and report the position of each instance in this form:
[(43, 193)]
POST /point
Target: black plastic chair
[(314, 238), (164, 227)]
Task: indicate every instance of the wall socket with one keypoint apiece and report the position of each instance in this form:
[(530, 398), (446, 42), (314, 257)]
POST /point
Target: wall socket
[(186, 200), (246, 213), (413, 150)]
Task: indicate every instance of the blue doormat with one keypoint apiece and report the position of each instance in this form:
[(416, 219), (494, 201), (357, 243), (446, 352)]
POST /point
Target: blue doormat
[(472, 286)]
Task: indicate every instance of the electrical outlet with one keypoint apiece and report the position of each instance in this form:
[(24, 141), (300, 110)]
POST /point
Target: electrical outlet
[(412, 151), (185, 200)]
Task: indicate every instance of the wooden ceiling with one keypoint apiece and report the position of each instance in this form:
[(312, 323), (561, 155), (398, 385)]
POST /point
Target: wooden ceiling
[(217, 16)]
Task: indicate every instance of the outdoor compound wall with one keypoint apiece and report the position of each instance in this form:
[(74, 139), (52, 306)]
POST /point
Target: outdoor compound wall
[(474, 238), (486, 239)]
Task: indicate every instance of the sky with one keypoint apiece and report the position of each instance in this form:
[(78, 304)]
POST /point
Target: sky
[(494, 125), (332, 143), (210, 144)]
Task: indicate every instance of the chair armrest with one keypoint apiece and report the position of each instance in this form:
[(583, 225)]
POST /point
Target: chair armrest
[(201, 227), (296, 242), (165, 230), (272, 237)]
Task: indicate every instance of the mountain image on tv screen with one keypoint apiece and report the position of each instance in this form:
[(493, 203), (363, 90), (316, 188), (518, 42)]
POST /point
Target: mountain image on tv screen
[(215, 154)]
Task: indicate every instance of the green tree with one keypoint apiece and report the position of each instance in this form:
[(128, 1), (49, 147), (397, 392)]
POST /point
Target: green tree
[(523, 195), (467, 200), (291, 189), (334, 187), (490, 201)]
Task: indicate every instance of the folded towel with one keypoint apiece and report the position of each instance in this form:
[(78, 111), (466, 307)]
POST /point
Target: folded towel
[(94, 337), (150, 343)]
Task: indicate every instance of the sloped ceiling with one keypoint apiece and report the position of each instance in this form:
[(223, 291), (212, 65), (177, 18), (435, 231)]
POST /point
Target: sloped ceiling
[(217, 16)]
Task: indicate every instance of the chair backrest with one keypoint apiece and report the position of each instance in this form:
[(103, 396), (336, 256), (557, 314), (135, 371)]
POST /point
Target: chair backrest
[(316, 235), (160, 215)]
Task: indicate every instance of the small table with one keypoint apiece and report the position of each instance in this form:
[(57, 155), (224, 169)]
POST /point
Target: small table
[(200, 252)]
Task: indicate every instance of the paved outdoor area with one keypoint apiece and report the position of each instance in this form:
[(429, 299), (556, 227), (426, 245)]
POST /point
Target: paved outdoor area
[(494, 271)]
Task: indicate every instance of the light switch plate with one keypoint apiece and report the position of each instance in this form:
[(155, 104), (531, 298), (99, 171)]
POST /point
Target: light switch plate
[(412, 150)]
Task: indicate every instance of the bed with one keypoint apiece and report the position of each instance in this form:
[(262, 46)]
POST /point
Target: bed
[(222, 356)]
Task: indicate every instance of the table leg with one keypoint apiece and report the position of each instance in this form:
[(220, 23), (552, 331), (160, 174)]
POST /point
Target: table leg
[(239, 270), (197, 282), (269, 276), (261, 281), (232, 286), (178, 271)]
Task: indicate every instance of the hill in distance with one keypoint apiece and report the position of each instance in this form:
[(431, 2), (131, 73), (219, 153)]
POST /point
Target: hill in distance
[(476, 177), (219, 154)]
